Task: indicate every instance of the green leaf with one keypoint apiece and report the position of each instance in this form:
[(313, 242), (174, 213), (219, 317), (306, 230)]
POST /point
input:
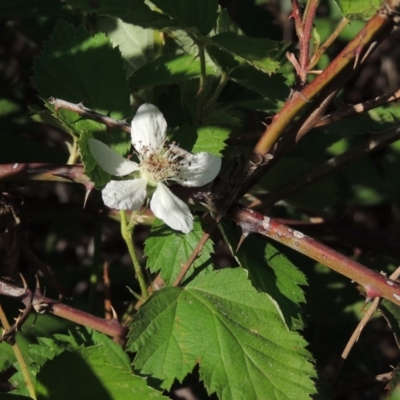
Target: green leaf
[(75, 66), (235, 335), (359, 9), (132, 11), (205, 138), (164, 70), (200, 14), (247, 75), (270, 272), (252, 50), (36, 356), (211, 139), (92, 373), (135, 43), (167, 251)]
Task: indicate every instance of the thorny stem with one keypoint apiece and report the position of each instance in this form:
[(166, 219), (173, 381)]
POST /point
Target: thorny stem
[(126, 232), (80, 109), (347, 59), (374, 284), (339, 115), (303, 30), (308, 20), (19, 356), (46, 173), (357, 332), (110, 327), (351, 110)]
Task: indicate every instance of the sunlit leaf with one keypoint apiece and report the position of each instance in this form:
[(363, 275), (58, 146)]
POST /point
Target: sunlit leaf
[(235, 335), (167, 251)]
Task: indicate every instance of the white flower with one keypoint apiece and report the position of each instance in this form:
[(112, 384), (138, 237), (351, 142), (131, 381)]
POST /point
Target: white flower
[(157, 164)]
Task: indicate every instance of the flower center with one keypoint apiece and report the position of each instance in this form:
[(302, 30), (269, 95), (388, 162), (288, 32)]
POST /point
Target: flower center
[(160, 165)]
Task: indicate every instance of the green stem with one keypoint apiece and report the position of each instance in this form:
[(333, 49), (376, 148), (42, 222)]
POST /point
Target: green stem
[(126, 231), (73, 152), (202, 82), (221, 84), (19, 357)]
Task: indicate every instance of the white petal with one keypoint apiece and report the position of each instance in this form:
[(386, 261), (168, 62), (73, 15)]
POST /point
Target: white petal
[(148, 129), (110, 160), (125, 195), (172, 210), (199, 169)]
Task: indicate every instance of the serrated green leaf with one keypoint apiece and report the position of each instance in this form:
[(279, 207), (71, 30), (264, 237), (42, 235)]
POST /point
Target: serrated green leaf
[(75, 66), (164, 70), (90, 373), (132, 11), (7, 356), (211, 139), (271, 86), (167, 251), (135, 43), (205, 138), (35, 358), (358, 9), (200, 14), (270, 272), (253, 50), (234, 334)]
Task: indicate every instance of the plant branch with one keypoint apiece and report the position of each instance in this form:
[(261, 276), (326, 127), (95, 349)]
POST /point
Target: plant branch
[(110, 327), (352, 110), (45, 172), (80, 109), (344, 63), (126, 232), (374, 284), (357, 332), (308, 20), (338, 72)]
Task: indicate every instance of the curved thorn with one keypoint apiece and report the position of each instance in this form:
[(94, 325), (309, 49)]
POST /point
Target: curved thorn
[(23, 281), (115, 316)]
